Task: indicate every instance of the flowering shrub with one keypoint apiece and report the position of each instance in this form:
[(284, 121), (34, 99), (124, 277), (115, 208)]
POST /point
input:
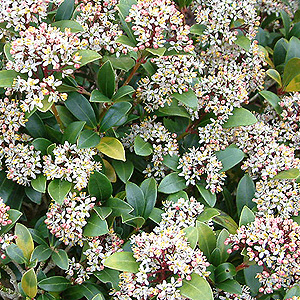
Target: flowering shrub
[(149, 149)]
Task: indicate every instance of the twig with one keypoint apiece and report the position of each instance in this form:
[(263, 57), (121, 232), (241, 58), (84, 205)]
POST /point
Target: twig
[(49, 267), (57, 117)]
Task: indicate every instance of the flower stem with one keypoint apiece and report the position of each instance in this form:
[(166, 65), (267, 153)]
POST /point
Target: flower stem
[(57, 117)]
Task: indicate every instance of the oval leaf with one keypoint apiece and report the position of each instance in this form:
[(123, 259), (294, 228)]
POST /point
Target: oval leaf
[(122, 261), (29, 283), (112, 148)]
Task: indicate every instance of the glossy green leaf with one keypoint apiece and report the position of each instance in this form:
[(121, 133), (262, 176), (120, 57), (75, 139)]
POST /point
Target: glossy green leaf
[(118, 206), (149, 188), (65, 10), (155, 215), (39, 183), (54, 284), (97, 96), (274, 74), (243, 42), (225, 271), (171, 161), (293, 49), (188, 98), (58, 190), (245, 193), (122, 261), (280, 50), (293, 292), (135, 197), (88, 139), (240, 117), (7, 78), (197, 29), (124, 169), (273, 99), (98, 297), (288, 174), (24, 240), (108, 275), (33, 195), (124, 63), (14, 215), (207, 195), (60, 258), (230, 286), (15, 253), (206, 239), (102, 211), (208, 214), (247, 216), (41, 253), (122, 92), (230, 157), (250, 277), (291, 71), (81, 108), (172, 183), (226, 221), (174, 110), (95, 226), (99, 186), (196, 289), (87, 56), (157, 52), (72, 131), (141, 147), (112, 148), (72, 25), (135, 221), (106, 80), (29, 283), (191, 234), (223, 235), (41, 144)]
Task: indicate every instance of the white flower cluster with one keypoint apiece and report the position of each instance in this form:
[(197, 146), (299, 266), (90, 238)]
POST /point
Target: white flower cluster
[(98, 249), (165, 256), (48, 50), (163, 142), (23, 163), (5, 240), (158, 23), (67, 221), (4, 216), (275, 6), (245, 295), (174, 74), (225, 19), (277, 197), (97, 18), (200, 163), (273, 243), (72, 164)]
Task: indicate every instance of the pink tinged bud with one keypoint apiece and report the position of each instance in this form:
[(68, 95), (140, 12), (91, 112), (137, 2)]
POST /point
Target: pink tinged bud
[(3, 256)]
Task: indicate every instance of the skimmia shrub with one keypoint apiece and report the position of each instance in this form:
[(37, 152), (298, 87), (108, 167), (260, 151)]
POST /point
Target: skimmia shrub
[(149, 149)]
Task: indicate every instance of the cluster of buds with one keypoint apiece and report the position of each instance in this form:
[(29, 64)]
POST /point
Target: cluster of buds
[(67, 221), (200, 163), (163, 142), (158, 23), (174, 74), (273, 243), (48, 50), (275, 6), (4, 216), (72, 164)]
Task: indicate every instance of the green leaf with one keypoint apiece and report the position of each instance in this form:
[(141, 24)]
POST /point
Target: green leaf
[(273, 99), (155, 215), (171, 161), (14, 215), (72, 25), (172, 183), (196, 289), (135, 197), (29, 283), (250, 277), (108, 275), (112, 148), (230, 286), (207, 214), (206, 239), (106, 79), (275, 76), (24, 240), (88, 139), (247, 216), (197, 29), (72, 131), (225, 271), (41, 144), (58, 190), (141, 147), (87, 56), (54, 284), (99, 186), (7, 48), (243, 42), (65, 10), (293, 50), (240, 117), (223, 235), (97, 96), (102, 212), (98, 297), (288, 174), (60, 258), (124, 63), (124, 40), (115, 116), (41, 253), (15, 253), (124, 7), (293, 292), (226, 221), (7, 78), (291, 70), (122, 92), (286, 22), (230, 157), (122, 261), (81, 108), (245, 193), (191, 234), (118, 206), (134, 221), (149, 188), (157, 52), (35, 126), (33, 195), (280, 50), (207, 195), (95, 226), (39, 183), (174, 110), (123, 169), (188, 98)]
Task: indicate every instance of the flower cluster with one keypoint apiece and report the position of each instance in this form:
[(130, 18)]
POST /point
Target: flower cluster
[(4, 216), (48, 50), (273, 243), (98, 249), (277, 197), (174, 74), (98, 20), (200, 163), (70, 163), (5, 240), (163, 142), (245, 295), (23, 163), (225, 19), (158, 23), (275, 6), (66, 221)]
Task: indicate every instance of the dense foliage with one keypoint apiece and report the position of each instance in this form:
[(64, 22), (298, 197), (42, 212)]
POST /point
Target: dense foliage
[(149, 149)]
